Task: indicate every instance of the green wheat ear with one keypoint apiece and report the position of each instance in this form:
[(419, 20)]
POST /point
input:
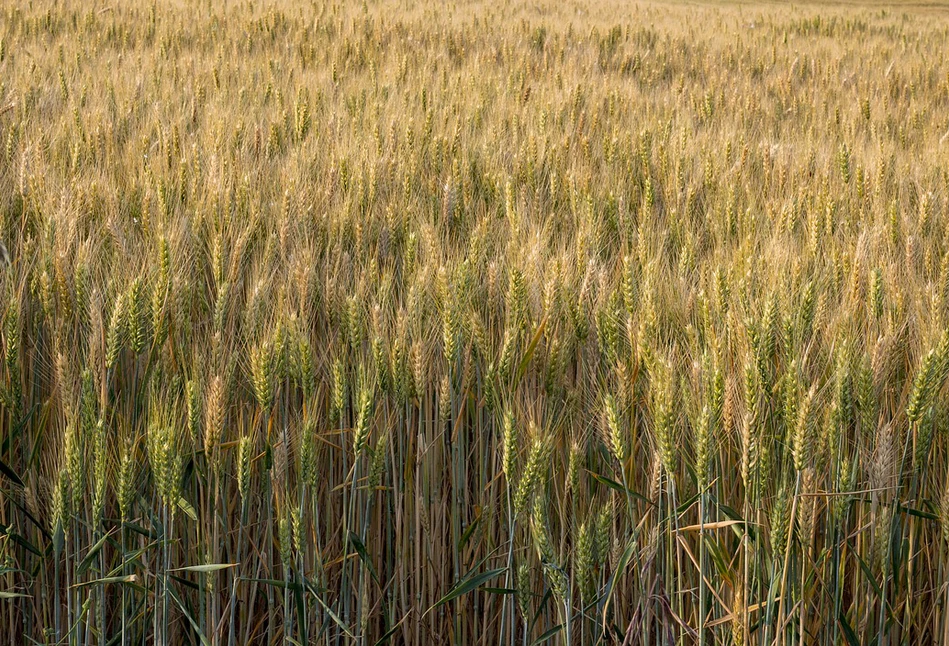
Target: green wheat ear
[(59, 512), (540, 533), (533, 472), (136, 314), (193, 402), (584, 559), (780, 519), (523, 581), (803, 439), (115, 336), (876, 296), (509, 448), (923, 385), (574, 464), (363, 420), (307, 452), (244, 466), (702, 440), (214, 418), (74, 443), (99, 464), (263, 374), (617, 439), (664, 416), (126, 481)]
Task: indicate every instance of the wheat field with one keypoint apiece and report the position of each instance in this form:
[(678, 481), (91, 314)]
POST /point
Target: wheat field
[(474, 323)]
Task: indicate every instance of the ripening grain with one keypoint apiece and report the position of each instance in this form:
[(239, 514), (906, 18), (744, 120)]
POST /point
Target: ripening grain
[(473, 323)]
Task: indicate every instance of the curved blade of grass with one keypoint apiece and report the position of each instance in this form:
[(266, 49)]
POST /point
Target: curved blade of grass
[(540, 610), (547, 635), (41, 526), (11, 474), (186, 507), (333, 616), (13, 595), (184, 611), (620, 569), (469, 531), (86, 562), (466, 585), (6, 530), (360, 548), (389, 633), (848, 631), (129, 578), (612, 484), (529, 352), (185, 582), (209, 567)]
